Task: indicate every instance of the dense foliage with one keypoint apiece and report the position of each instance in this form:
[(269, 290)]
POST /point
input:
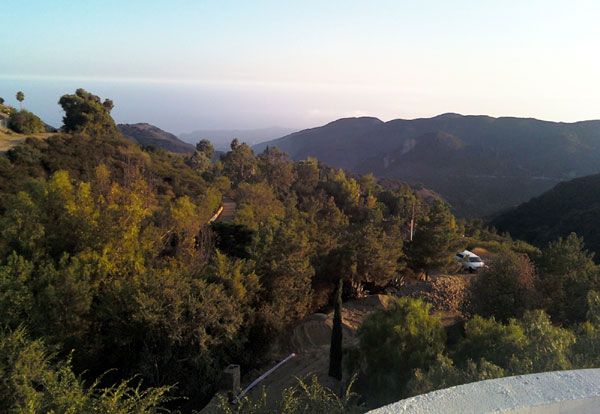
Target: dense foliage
[(106, 255), (526, 317), (110, 270)]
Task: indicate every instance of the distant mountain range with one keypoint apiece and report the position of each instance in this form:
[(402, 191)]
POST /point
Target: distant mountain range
[(572, 206), (480, 164), (149, 135), (221, 138)]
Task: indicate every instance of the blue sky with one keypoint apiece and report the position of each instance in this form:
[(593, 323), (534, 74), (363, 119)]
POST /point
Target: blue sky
[(237, 64)]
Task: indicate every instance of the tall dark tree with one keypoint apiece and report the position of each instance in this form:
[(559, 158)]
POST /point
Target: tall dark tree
[(335, 350), (205, 147), (435, 239), (1, 101), (567, 273), (86, 113), (20, 97), (239, 164)]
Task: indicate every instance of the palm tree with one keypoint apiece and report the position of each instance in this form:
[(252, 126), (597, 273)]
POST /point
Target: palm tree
[(20, 98)]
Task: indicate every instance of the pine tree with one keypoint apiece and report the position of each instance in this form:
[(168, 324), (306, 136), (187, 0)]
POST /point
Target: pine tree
[(435, 239), (335, 350)]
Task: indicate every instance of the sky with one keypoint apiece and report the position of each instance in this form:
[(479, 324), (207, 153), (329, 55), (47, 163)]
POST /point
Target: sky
[(185, 65)]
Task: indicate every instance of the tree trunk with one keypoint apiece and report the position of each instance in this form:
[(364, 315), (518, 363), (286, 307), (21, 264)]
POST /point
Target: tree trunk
[(335, 350)]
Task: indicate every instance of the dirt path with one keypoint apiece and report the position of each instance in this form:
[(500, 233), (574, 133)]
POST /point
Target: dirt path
[(228, 213), (9, 139)]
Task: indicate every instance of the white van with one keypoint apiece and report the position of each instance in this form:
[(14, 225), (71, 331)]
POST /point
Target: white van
[(469, 261)]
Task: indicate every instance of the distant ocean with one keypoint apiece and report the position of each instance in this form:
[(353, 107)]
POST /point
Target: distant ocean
[(175, 107)]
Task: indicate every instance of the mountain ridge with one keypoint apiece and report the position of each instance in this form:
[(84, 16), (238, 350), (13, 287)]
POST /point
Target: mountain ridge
[(495, 162), (570, 206), (146, 134)]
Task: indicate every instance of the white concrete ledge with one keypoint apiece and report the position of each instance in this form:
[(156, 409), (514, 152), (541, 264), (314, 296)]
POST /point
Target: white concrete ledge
[(557, 392)]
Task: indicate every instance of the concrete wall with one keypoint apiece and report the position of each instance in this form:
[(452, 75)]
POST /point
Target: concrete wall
[(558, 392)]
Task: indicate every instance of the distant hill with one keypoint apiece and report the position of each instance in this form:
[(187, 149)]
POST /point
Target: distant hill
[(480, 164), (572, 206), (149, 135), (221, 138)]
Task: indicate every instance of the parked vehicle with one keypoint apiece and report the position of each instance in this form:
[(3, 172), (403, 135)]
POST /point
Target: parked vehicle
[(469, 261)]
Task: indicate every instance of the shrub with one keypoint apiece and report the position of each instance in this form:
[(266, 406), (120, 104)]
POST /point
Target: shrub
[(305, 397), (567, 274), (32, 383), (506, 289), (393, 343), (25, 122)]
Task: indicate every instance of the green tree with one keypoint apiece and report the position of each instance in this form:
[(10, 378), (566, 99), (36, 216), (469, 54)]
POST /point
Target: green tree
[(491, 340), (435, 239), (335, 348), (86, 113), (1, 101), (548, 346), (586, 350), (394, 342), (277, 169), (239, 164), (506, 289), (567, 273), (282, 255), (20, 97)]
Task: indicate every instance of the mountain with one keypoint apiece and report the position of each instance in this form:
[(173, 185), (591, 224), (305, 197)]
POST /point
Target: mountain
[(221, 138), (149, 135), (572, 206), (480, 164)]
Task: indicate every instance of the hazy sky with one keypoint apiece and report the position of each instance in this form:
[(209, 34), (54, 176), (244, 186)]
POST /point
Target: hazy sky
[(244, 64)]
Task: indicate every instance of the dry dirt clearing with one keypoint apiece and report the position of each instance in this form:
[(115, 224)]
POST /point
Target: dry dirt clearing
[(9, 139), (310, 339)]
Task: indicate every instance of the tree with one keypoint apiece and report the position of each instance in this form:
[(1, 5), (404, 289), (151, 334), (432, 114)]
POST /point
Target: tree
[(277, 169), (506, 289), (86, 113), (434, 241), (239, 164), (206, 148), (567, 273), (335, 349), (1, 101), (20, 97), (394, 342)]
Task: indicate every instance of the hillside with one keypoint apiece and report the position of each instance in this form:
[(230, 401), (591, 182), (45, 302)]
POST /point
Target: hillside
[(572, 206), (480, 164), (8, 138), (149, 135)]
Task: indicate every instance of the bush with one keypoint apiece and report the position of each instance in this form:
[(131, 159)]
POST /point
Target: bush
[(567, 274), (25, 122), (305, 397), (393, 343), (506, 289), (444, 374), (32, 383)]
